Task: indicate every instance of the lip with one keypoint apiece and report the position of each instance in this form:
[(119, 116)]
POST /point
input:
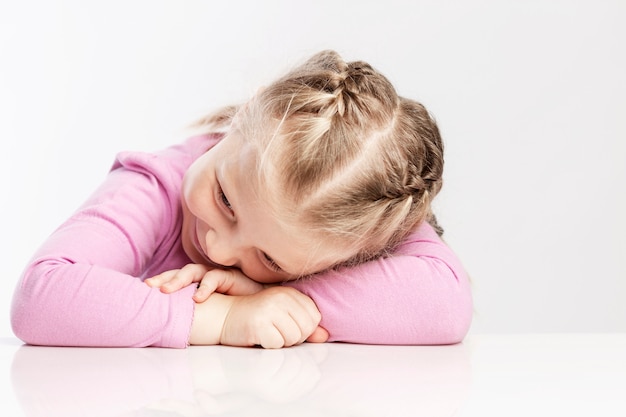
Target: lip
[(201, 251)]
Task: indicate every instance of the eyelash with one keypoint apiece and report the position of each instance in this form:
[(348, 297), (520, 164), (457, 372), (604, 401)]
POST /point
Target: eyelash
[(269, 262), (225, 201)]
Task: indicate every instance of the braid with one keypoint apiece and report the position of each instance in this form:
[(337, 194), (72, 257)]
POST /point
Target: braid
[(411, 161), (424, 174), (353, 161)]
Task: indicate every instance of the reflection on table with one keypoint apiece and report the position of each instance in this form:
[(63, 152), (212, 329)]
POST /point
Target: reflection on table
[(307, 380)]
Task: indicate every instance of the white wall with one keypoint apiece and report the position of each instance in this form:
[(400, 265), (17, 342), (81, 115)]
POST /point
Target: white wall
[(530, 97)]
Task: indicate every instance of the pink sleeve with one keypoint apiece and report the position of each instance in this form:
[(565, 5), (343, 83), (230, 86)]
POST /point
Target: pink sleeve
[(84, 286), (418, 296)]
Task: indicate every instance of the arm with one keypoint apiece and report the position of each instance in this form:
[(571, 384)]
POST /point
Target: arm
[(419, 295), (234, 310), (272, 318), (83, 287)]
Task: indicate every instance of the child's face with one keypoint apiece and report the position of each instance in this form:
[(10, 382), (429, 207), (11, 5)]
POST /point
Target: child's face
[(227, 225)]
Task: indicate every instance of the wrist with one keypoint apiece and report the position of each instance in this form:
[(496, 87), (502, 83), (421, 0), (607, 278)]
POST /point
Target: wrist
[(208, 320)]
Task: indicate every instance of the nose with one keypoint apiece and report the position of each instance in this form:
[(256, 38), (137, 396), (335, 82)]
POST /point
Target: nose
[(222, 248)]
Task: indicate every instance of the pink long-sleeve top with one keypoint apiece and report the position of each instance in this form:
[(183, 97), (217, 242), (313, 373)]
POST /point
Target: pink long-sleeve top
[(84, 285)]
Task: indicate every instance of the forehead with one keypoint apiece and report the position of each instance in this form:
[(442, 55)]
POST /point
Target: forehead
[(268, 219)]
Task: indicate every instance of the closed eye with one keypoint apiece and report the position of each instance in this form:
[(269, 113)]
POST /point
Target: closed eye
[(269, 262), (225, 201), (222, 199)]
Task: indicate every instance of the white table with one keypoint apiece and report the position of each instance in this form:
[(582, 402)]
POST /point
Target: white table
[(487, 375)]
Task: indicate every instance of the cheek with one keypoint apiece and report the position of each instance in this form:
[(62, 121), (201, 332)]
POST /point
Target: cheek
[(187, 233), (197, 185), (194, 199), (259, 273)]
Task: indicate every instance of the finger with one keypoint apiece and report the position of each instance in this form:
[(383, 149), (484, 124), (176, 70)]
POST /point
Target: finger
[(299, 308), (177, 282), (319, 335), (223, 281), (202, 294), (211, 282), (158, 280), (308, 306), (229, 281), (307, 316), (271, 338), (292, 327), (205, 289), (235, 282), (185, 276)]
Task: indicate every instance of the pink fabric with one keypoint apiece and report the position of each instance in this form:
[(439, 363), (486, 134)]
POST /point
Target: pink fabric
[(420, 295), (84, 285)]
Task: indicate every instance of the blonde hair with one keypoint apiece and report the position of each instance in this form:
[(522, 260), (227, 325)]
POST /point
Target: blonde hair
[(352, 160)]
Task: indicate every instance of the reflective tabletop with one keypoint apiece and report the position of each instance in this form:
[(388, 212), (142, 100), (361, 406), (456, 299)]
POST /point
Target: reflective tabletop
[(500, 375)]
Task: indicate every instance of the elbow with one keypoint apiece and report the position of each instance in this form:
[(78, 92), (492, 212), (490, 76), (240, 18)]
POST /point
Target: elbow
[(452, 327), (27, 315), (20, 322), (446, 323), (453, 310), (30, 314), (453, 317), (444, 316), (441, 325)]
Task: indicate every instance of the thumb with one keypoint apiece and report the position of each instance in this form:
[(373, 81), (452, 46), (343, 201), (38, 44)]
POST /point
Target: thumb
[(319, 335)]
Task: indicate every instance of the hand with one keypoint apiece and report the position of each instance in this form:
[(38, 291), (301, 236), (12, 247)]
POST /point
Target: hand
[(273, 318), (225, 281)]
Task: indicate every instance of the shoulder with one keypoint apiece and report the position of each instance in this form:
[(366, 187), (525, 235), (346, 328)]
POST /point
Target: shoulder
[(425, 243), (167, 165), (424, 236)]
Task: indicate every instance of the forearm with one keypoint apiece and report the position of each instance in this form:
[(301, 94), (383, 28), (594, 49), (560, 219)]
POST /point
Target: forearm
[(418, 295), (86, 305), (208, 320), (406, 301)]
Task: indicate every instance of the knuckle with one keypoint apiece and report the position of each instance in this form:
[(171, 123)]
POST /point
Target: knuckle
[(282, 296), (293, 340)]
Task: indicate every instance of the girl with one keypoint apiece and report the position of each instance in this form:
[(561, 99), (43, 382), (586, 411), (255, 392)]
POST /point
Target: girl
[(302, 215)]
